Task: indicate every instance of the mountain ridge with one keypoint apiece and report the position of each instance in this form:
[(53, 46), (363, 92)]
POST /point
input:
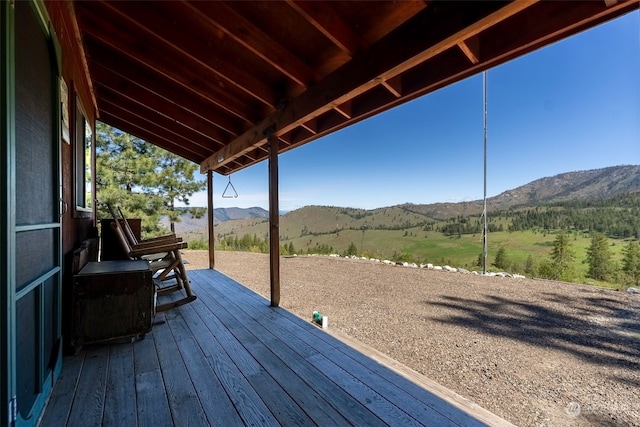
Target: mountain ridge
[(594, 184)]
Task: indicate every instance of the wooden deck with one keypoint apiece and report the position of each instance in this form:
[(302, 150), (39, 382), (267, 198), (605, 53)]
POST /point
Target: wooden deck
[(230, 359)]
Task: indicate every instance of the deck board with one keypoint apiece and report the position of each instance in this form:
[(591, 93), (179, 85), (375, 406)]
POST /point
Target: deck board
[(230, 359)]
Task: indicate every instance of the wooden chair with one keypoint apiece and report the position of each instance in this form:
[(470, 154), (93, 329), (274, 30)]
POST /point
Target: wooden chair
[(166, 263), (129, 234)]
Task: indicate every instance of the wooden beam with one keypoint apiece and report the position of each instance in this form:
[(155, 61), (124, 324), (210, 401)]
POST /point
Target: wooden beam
[(109, 99), (394, 86), (324, 19), (411, 44), (80, 52), (150, 26), (234, 25), (149, 136), (189, 75), (134, 78), (471, 49), (211, 220), (274, 222), (345, 109)]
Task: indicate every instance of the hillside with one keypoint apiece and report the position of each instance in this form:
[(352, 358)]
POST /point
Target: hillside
[(188, 224), (595, 184)]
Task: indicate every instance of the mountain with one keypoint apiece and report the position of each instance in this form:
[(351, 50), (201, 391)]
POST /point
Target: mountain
[(595, 184), (188, 224), (226, 214)]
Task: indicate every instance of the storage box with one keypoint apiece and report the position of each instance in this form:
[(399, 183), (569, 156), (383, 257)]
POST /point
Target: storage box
[(112, 299)]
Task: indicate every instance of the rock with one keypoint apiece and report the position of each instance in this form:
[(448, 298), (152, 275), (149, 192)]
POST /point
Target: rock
[(633, 290)]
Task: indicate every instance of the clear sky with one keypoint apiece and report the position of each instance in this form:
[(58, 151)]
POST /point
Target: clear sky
[(574, 105)]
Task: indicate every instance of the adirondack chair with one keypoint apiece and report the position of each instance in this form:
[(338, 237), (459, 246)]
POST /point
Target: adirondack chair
[(165, 262)]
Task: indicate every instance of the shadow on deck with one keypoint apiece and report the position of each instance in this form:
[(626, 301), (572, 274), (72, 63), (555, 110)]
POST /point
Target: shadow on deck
[(230, 359)]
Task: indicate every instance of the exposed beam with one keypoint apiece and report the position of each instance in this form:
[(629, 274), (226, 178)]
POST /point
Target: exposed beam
[(345, 109), (149, 136), (190, 76), (324, 19), (394, 86), (80, 51), (234, 25), (471, 49), (112, 101), (411, 44), (165, 34), (274, 222), (122, 70)]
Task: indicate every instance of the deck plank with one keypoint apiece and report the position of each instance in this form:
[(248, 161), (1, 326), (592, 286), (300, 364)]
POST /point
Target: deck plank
[(419, 403), (151, 398), (217, 405), (120, 399), (185, 406), (63, 394), (246, 400), (285, 390), (350, 375), (335, 398), (88, 405), (230, 359)]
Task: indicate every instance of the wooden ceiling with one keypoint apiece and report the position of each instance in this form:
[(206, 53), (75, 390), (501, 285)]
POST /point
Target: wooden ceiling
[(211, 80)]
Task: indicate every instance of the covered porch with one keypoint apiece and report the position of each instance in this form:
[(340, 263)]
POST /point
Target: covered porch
[(230, 359)]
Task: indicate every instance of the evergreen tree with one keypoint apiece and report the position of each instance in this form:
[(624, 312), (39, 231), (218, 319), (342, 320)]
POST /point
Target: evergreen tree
[(529, 265), (351, 250), (599, 258), (631, 263), (562, 257), (143, 179), (501, 261)]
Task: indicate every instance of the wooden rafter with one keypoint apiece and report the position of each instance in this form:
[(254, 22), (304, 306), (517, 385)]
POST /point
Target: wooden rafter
[(411, 45), (324, 19), (244, 33)]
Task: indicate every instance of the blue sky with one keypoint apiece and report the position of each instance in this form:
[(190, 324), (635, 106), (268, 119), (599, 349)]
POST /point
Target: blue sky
[(571, 106)]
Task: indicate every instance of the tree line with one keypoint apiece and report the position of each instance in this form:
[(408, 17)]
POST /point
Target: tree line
[(560, 264)]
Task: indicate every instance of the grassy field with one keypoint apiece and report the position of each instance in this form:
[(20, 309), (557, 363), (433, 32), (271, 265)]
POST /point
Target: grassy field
[(399, 235)]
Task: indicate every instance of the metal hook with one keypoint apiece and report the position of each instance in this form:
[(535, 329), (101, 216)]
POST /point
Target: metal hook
[(230, 196)]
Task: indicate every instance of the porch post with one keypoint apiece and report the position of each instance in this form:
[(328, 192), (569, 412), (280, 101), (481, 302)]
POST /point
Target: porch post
[(210, 219), (274, 221)]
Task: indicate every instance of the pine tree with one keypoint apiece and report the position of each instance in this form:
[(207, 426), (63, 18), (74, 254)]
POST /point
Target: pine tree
[(351, 250), (599, 258), (144, 180), (529, 265), (501, 261), (631, 263), (562, 256)]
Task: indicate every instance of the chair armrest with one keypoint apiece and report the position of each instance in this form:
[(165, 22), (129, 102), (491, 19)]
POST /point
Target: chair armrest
[(147, 250)]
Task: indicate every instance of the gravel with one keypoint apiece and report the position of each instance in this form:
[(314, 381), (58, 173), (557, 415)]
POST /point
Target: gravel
[(537, 353)]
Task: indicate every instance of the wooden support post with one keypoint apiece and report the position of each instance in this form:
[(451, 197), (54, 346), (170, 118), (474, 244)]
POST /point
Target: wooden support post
[(274, 221), (210, 220)]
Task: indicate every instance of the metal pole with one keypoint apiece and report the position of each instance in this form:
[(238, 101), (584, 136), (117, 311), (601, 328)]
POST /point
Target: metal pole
[(484, 204)]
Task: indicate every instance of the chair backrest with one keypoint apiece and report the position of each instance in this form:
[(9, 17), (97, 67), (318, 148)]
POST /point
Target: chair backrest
[(127, 228), (124, 243)]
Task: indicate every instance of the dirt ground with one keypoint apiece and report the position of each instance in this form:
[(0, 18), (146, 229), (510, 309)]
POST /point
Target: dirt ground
[(537, 353)]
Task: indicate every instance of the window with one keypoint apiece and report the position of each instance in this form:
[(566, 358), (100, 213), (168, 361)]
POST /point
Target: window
[(83, 169)]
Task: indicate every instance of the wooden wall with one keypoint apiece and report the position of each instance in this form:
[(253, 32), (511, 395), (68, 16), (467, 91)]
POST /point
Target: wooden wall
[(76, 226)]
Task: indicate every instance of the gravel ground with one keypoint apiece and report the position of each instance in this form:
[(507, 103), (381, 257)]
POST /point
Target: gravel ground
[(537, 353)]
